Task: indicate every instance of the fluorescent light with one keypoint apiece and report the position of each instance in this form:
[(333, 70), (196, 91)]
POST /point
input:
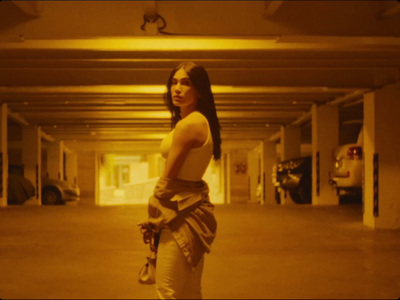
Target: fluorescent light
[(158, 43)]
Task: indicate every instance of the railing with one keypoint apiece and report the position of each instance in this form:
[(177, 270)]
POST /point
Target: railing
[(134, 193)]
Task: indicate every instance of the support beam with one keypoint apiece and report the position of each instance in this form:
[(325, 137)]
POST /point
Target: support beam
[(352, 98), (271, 8), (55, 165), (381, 158), (355, 96), (17, 118), (275, 137), (71, 166), (325, 138), (389, 11), (31, 159), (46, 137), (30, 8), (3, 155), (269, 159), (303, 119)]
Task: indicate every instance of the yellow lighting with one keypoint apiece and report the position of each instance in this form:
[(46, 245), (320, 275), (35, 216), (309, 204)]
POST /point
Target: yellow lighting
[(204, 43), (141, 89), (158, 43)]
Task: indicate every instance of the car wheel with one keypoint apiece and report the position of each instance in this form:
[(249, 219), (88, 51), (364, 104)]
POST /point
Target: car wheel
[(294, 194), (302, 195), (305, 189), (277, 196), (51, 196), (350, 199)]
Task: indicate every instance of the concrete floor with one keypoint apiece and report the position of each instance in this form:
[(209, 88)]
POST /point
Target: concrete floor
[(267, 252)]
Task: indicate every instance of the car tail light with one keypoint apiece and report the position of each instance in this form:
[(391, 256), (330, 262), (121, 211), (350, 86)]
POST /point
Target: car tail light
[(354, 153)]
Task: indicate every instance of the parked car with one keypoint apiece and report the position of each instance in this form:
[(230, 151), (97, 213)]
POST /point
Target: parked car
[(20, 189), (56, 191), (346, 174), (294, 176)]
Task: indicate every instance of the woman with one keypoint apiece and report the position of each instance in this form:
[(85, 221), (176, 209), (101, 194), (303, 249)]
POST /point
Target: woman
[(180, 210)]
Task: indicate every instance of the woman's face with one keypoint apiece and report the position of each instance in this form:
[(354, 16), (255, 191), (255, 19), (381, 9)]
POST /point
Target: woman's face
[(183, 94)]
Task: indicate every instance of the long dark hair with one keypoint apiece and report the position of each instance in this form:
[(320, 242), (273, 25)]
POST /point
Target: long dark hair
[(205, 104)]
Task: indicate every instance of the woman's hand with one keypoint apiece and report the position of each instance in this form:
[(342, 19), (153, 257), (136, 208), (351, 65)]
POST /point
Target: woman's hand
[(147, 232)]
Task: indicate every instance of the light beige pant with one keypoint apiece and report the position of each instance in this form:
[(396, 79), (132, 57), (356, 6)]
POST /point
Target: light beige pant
[(174, 277)]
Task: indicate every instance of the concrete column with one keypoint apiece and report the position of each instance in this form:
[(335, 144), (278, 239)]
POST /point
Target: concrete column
[(382, 158), (3, 155), (31, 158), (88, 178), (255, 173), (291, 142), (96, 178), (325, 138), (239, 176), (290, 148), (226, 159), (269, 149), (152, 159), (55, 166), (71, 167)]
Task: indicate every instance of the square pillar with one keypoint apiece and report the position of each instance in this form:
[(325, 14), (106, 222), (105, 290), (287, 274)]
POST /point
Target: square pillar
[(239, 176), (325, 138), (290, 148), (55, 160), (31, 158), (153, 161), (226, 158), (269, 150), (3, 155), (88, 177), (290, 141), (96, 178), (255, 157), (71, 167), (381, 149)]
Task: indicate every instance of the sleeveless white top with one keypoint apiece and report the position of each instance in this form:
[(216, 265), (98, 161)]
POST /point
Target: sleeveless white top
[(197, 160)]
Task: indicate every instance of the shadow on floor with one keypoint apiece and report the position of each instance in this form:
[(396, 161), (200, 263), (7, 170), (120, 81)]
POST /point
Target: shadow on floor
[(261, 252)]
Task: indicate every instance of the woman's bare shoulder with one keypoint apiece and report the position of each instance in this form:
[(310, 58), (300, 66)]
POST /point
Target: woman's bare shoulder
[(195, 119), (194, 125)]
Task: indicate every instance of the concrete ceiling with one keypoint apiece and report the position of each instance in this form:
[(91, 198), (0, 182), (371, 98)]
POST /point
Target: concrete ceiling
[(111, 89)]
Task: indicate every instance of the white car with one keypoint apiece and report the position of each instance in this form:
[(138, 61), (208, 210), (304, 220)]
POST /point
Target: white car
[(56, 192), (346, 175)]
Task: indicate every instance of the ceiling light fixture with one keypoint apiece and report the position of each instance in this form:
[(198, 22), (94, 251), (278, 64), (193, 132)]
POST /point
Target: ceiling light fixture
[(151, 25)]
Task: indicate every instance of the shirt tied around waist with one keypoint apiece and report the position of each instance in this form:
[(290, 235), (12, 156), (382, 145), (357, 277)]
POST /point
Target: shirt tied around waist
[(184, 207)]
